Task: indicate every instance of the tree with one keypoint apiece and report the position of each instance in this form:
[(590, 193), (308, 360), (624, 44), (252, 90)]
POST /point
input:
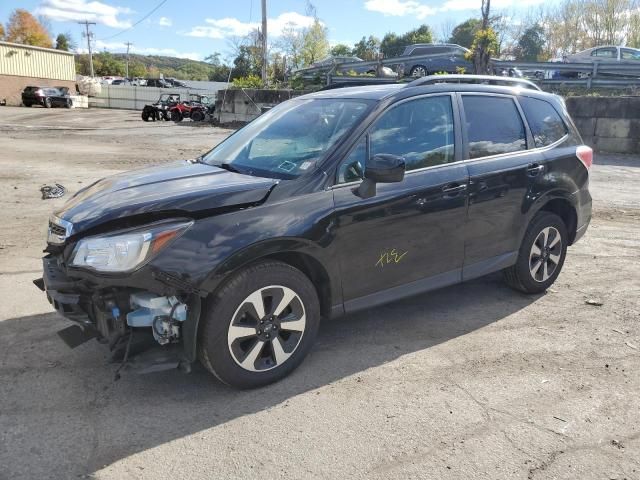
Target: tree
[(464, 33), (531, 44), (137, 69), (193, 71), (485, 42), (1, 32), (315, 44), (105, 64), (393, 44), (340, 50), (291, 43), (65, 42), (367, 48), (24, 28)]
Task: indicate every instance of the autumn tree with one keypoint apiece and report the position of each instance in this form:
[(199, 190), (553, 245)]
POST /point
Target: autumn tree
[(463, 33), (315, 43), (24, 28), (1, 32)]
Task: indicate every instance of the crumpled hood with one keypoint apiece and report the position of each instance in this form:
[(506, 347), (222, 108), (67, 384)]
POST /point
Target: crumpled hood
[(182, 186)]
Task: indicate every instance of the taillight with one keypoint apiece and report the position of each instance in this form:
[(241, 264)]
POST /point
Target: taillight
[(585, 155)]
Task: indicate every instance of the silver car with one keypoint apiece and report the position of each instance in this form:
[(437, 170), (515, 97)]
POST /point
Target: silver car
[(608, 53)]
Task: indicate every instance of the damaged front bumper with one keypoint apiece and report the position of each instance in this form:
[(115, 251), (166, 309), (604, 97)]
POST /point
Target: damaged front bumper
[(108, 309)]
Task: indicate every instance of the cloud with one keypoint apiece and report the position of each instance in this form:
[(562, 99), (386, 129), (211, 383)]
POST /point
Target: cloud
[(165, 22), (403, 8), (80, 10), (120, 47), (400, 8), (232, 27)]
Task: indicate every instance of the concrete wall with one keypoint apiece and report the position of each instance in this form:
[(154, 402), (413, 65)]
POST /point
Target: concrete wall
[(11, 87), (608, 124), (245, 105), (135, 98)]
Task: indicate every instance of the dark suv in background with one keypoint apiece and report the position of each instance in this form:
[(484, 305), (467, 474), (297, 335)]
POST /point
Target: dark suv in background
[(326, 204), (441, 57)]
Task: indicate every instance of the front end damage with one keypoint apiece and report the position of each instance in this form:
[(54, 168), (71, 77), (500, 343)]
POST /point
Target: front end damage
[(114, 313)]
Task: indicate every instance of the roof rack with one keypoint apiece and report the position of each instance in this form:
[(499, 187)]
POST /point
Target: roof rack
[(475, 79)]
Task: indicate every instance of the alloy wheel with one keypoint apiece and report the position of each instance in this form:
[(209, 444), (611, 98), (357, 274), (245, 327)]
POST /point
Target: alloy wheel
[(545, 254), (419, 71), (266, 329)]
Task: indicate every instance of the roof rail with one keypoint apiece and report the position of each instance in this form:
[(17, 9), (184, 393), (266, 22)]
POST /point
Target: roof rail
[(475, 79)]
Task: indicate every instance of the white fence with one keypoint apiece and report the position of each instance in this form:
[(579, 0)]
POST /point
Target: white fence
[(135, 98)]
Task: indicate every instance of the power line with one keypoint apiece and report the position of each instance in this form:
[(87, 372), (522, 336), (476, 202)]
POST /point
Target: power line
[(137, 23)]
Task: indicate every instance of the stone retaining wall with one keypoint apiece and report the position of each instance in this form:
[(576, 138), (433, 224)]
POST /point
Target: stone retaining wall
[(608, 124)]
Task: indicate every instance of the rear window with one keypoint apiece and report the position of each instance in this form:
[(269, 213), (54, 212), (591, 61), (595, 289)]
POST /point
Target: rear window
[(545, 123), (493, 124)]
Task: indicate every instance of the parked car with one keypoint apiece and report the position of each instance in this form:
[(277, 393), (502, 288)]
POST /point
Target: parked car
[(47, 97), (605, 54), (174, 82), (157, 82), (139, 82), (326, 204), (109, 80), (440, 57), (344, 65), (121, 81)]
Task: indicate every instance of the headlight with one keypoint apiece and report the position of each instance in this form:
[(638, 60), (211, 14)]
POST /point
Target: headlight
[(124, 251)]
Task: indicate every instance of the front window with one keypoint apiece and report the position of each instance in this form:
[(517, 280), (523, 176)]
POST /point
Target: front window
[(289, 139), (604, 53), (629, 54)]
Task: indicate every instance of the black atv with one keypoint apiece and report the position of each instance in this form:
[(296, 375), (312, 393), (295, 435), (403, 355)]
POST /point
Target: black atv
[(160, 109)]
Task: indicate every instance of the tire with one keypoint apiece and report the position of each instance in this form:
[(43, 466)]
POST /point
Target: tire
[(165, 116), (176, 116), (145, 115), (541, 255), (236, 356), (47, 102), (69, 103), (197, 116), (419, 71), (28, 104)]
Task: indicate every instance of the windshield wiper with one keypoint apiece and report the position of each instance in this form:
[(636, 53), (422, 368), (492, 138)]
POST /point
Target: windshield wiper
[(228, 167)]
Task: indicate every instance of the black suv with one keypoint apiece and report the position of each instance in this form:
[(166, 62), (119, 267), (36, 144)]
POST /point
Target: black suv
[(326, 204), (47, 97)]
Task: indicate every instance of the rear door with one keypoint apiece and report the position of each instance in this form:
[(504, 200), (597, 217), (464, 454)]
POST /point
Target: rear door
[(409, 237), (501, 172)]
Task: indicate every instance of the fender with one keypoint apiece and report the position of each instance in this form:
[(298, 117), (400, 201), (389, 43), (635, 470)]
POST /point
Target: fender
[(274, 248)]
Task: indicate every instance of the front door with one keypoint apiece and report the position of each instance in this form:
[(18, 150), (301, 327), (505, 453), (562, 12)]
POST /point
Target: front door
[(408, 237)]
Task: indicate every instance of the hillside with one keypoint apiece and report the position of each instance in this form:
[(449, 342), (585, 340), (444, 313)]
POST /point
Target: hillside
[(159, 61)]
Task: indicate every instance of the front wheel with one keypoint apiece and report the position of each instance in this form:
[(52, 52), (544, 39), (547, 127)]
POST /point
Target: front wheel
[(197, 116), (259, 326), (47, 102), (541, 254), (176, 116)]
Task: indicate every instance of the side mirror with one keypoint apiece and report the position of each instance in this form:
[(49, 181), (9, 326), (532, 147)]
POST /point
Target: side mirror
[(382, 168)]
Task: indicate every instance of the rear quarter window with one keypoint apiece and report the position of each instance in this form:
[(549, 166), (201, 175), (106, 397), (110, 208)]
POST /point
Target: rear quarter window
[(493, 125), (544, 121)]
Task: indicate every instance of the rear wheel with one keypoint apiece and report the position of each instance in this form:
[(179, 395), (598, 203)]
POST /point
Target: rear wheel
[(541, 254), (259, 326), (419, 71), (68, 103), (197, 116), (47, 102)]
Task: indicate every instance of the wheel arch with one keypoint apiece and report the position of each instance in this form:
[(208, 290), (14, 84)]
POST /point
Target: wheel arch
[(562, 206), (294, 252)]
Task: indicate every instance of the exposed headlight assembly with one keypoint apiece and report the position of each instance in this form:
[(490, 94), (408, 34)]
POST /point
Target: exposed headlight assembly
[(126, 250)]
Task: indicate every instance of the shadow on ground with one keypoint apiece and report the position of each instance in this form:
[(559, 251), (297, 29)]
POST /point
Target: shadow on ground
[(63, 415)]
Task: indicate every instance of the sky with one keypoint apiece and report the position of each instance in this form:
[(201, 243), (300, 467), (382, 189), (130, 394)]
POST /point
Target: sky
[(196, 28)]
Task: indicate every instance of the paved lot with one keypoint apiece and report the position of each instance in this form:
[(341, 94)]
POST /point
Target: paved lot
[(475, 381)]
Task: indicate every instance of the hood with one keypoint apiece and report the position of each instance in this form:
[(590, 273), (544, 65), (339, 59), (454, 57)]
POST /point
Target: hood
[(179, 187)]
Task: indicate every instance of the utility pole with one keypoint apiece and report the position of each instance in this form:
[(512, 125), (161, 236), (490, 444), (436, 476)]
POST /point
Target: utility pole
[(264, 42), (88, 35), (128, 44)]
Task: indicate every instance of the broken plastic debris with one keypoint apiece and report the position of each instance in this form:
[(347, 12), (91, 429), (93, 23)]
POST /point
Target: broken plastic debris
[(52, 191)]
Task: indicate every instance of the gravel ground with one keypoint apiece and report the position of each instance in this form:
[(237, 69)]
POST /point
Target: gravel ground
[(474, 381)]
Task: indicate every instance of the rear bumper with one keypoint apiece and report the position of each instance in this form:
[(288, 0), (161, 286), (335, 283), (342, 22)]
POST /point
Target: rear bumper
[(583, 204)]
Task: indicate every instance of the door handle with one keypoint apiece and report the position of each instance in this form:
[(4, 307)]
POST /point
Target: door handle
[(453, 189), (534, 169)]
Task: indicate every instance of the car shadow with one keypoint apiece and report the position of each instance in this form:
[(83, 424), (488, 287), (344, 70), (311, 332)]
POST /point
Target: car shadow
[(64, 415)]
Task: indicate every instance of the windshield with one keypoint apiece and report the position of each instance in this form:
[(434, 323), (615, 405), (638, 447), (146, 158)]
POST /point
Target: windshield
[(289, 139)]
